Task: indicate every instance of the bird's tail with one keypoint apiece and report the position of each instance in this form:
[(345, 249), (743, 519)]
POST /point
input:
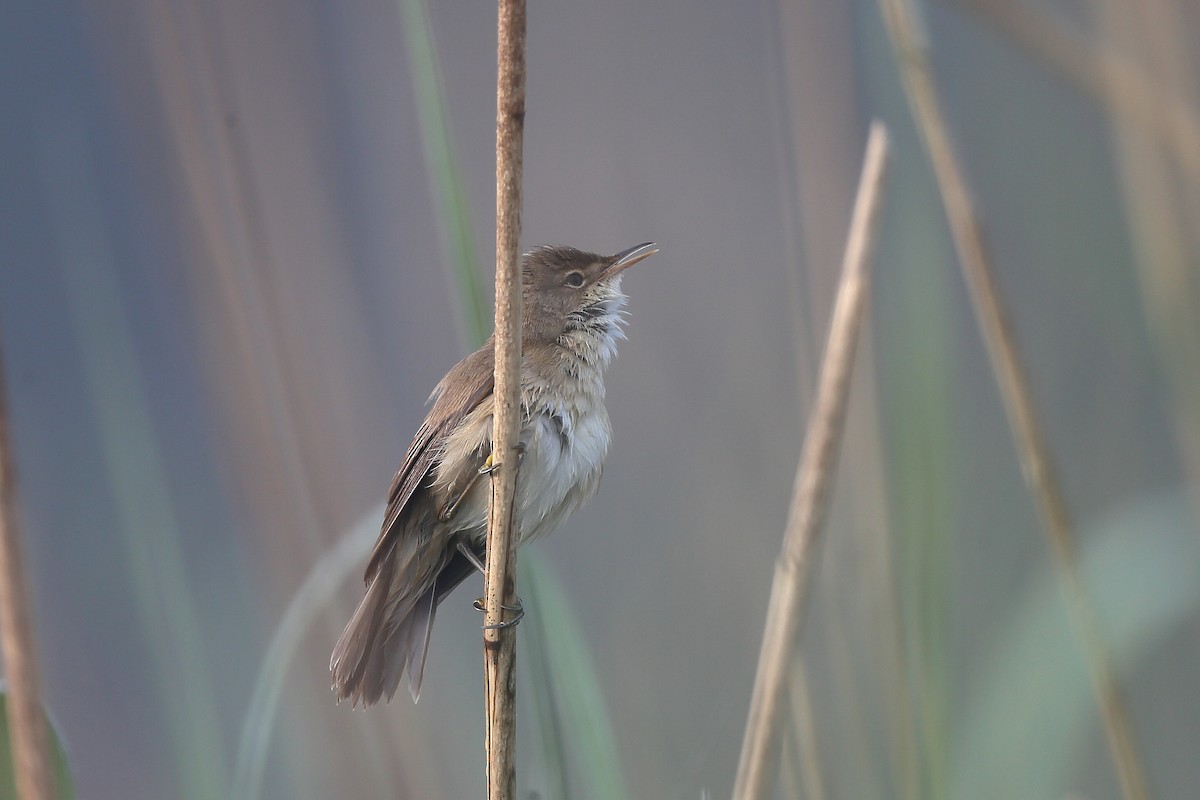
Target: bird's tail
[(389, 635)]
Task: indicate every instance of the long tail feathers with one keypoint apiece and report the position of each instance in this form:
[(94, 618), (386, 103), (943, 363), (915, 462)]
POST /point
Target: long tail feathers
[(359, 658), (389, 635), (420, 625)]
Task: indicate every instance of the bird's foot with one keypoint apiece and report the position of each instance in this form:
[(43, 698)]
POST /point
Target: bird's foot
[(490, 466), (518, 609)]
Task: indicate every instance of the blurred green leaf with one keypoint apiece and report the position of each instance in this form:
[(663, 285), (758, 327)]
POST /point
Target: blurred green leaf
[(445, 176), (575, 730), (8, 790), (1032, 713)]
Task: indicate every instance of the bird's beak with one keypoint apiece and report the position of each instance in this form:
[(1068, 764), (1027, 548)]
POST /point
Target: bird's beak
[(627, 258)]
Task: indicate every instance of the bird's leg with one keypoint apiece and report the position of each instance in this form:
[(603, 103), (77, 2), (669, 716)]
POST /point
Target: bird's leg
[(447, 511), (459, 491), (479, 604), (490, 466), (472, 556)]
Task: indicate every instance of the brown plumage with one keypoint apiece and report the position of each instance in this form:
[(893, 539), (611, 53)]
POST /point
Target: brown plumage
[(438, 499)]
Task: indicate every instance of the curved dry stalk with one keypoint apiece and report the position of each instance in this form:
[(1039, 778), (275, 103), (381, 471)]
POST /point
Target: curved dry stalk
[(33, 771), (1014, 385), (814, 476), (499, 644)]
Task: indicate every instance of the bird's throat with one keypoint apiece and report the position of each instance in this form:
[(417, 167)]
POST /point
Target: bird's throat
[(592, 332)]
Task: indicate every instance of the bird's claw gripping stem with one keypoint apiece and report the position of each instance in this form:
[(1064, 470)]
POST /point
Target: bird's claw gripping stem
[(447, 511), (490, 466), (518, 609)]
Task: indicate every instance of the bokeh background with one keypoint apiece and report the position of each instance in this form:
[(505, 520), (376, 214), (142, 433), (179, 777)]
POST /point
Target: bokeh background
[(240, 242)]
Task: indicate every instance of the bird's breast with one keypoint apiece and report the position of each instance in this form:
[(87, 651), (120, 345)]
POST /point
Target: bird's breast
[(566, 439), (565, 449)]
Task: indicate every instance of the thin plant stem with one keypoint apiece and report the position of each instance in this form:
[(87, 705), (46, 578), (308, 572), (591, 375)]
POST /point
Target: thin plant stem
[(794, 568), (499, 644), (912, 56), (33, 768)]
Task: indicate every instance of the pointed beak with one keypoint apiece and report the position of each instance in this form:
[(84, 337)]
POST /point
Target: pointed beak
[(627, 258)]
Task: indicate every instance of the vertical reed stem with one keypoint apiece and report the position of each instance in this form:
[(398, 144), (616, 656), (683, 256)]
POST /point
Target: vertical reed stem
[(499, 644)]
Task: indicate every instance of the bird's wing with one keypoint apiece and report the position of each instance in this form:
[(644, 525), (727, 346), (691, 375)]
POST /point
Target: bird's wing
[(467, 385)]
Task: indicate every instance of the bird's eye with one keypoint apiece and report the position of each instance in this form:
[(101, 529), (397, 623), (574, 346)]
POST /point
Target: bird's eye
[(574, 279)]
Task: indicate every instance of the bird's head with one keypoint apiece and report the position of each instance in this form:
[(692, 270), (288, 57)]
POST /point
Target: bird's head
[(572, 297)]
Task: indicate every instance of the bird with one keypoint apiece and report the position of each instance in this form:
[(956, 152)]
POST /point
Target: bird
[(435, 525)]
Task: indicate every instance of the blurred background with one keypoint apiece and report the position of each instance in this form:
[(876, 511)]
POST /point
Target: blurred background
[(240, 242)]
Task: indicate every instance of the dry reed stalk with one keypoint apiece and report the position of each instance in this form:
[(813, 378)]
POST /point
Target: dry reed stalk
[(29, 742), (911, 55), (820, 103), (499, 644), (794, 567)]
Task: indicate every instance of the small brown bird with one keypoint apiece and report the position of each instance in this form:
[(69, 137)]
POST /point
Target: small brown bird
[(434, 531)]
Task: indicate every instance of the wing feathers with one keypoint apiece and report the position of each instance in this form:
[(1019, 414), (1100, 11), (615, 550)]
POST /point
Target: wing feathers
[(389, 633), (465, 386)]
